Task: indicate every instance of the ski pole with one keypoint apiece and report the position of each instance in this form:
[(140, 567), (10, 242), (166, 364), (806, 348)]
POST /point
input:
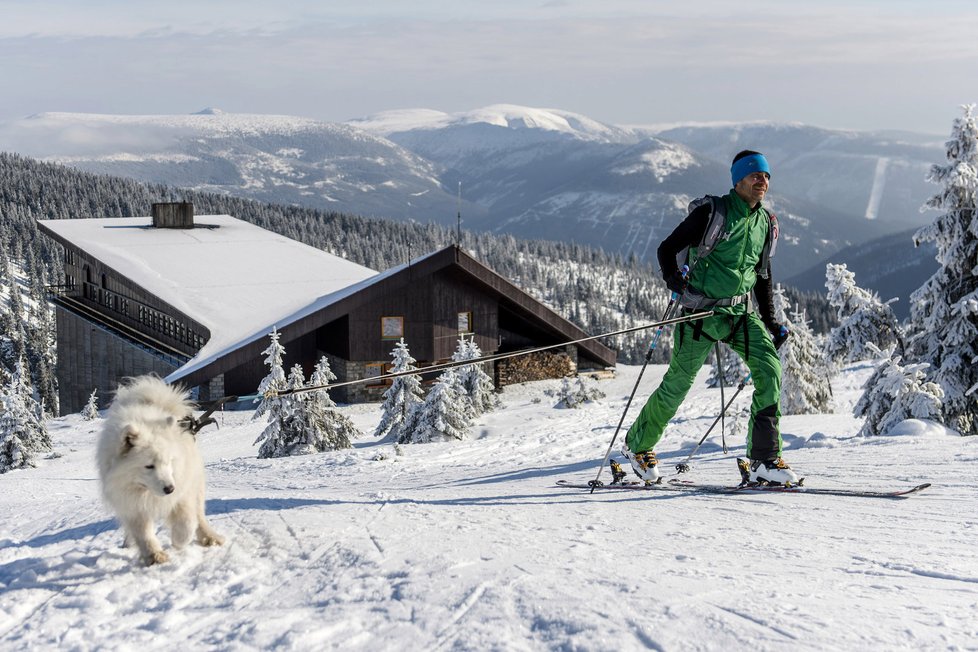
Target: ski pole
[(723, 408), (683, 467), (670, 309)]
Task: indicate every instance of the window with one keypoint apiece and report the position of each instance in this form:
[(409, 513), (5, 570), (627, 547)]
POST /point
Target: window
[(391, 328), (464, 322), (375, 370)]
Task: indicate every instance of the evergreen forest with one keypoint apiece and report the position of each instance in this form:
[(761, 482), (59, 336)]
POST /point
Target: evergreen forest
[(599, 292)]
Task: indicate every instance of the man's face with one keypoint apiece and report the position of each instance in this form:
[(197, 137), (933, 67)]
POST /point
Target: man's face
[(753, 187)]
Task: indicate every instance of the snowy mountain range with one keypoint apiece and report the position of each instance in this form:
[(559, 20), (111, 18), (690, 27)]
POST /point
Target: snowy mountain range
[(279, 159), (533, 173)]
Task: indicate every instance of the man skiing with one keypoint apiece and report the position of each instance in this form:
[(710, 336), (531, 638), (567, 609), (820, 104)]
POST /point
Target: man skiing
[(737, 265)]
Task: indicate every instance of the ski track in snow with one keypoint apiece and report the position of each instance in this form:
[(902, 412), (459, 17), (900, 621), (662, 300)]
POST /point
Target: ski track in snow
[(470, 546)]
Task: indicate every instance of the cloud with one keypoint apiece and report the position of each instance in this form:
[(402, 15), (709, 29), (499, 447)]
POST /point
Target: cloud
[(345, 59)]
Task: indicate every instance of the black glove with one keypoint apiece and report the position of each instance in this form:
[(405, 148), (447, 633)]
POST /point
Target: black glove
[(779, 333), (676, 282)]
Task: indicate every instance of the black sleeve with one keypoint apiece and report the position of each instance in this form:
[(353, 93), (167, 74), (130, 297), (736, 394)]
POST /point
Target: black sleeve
[(764, 294), (688, 233)]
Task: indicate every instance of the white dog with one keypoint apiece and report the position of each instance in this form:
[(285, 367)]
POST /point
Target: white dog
[(150, 467)]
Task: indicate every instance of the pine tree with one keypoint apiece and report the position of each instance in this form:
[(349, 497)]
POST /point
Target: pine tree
[(332, 429), (863, 318), (276, 407), (567, 396), (573, 395), (894, 393), (944, 311), (303, 422), (293, 433), (296, 380), (804, 383), (401, 397), (322, 375), (445, 414), (732, 366), (275, 381), (477, 384), (23, 434), (90, 411)]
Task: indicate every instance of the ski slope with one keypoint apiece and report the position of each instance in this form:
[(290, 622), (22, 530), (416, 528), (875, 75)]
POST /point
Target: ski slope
[(470, 546)]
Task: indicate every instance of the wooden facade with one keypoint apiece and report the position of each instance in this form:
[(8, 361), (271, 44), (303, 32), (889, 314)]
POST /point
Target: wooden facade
[(429, 296), (429, 303), (110, 328)]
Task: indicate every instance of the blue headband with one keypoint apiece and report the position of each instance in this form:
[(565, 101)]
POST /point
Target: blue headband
[(749, 165)]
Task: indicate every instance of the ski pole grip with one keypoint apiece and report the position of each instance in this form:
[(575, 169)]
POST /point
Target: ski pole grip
[(782, 337), (684, 272)]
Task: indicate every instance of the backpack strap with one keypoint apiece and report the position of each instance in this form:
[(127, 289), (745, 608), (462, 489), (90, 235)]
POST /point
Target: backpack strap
[(714, 225), (770, 246), (714, 228)]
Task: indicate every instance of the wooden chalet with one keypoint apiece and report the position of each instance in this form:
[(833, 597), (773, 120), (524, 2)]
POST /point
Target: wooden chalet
[(193, 300)]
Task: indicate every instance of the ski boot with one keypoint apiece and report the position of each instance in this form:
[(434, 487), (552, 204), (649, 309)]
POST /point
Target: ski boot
[(767, 472), (644, 465), (617, 473)]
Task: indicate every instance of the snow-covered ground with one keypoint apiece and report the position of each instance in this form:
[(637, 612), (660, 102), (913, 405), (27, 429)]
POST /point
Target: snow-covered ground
[(470, 546)]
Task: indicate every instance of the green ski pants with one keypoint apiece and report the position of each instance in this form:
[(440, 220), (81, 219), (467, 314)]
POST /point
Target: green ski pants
[(692, 343)]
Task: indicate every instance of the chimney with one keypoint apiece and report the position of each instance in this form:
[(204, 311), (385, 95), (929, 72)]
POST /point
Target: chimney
[(173, 215)]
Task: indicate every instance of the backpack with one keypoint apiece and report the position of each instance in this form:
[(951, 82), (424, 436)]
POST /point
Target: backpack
[(714, 232)]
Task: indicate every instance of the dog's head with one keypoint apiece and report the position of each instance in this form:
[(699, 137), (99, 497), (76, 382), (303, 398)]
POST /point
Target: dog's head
[(149, 457)]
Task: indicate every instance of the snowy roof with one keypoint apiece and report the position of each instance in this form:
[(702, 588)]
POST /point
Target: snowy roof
[(238, 280)]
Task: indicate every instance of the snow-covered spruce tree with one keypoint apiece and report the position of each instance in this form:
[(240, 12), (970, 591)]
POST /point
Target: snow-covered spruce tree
[(733, 367), (307, 421), (573, 395), (863, 319), (567, 395), (944, 310), (478, 385), (276, 407), (322, 375), (23, 434), (90, 411), (444, 415), (894, 393), (275, 381), (333, 429), (304, 427), (804, 381), (401, 397)]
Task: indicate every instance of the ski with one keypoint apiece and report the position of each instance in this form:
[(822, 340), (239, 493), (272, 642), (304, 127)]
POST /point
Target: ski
[(717, 489)]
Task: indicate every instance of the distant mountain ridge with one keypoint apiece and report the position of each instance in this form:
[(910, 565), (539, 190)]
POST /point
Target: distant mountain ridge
[(281, 159), (547, 173), (532, 173), (891, 266), (871, 175)]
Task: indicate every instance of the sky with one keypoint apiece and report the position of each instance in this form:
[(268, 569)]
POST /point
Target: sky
[(851, 64)]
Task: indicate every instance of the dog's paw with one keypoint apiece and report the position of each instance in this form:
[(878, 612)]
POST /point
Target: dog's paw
[(212, 539), (158, 557)]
